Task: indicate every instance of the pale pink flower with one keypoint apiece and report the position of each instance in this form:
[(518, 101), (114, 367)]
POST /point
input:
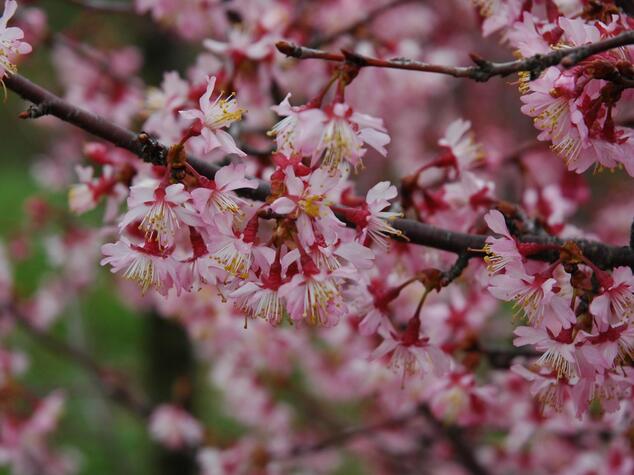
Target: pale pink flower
[(498, 14), (242, 44), (164, 104), (609, 347), (550, 101), (526, 36), (214, 116), (308, 201), (300, 129), (85, 195), (10, 40), (173, 427), (502, 253), (608, 388), (538, 296), (147, 264), (377, 220), (457, 398), (24, 442), (411, 353), (616, 302), (343, 138), (237, 252), (376, 310), (197, 270), (463, 151), (261, 299), (162, 211), (549, 389), (313, 295), (559, 351), (218, 195)]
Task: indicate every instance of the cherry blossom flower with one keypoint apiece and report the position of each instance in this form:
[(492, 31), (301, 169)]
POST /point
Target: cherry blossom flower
[(300, 129), (218, 195), (498, 14), (616, 302), (370, 219), (86, 195), (376, 307), (313, 295), (174, 427), (559, 350), (214, 116), (10, 40), (197, 270), (609, 347), (261, 299), (462, 151), (539, 298), (162, 211), (164, 105), (146, 264), (308, 201), (344, 135), (547, 387), (411, 353), (502, 253), (24, 445)]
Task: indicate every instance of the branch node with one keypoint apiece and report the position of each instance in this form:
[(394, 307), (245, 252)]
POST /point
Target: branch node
[(36, 111), (353, 58), (289, 49), (152, 151)]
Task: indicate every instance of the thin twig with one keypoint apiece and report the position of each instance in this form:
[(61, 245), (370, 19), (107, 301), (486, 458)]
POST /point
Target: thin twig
[(103, 6), (366, 19), (454, 435), (483, 69), (112, 383), (456, 270), (152, 151), (346, 435)]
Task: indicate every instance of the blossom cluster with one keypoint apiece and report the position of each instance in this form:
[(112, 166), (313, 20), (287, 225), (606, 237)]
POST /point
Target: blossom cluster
[(280, 228)]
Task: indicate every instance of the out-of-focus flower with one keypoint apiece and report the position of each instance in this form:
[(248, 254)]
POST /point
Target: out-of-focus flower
[(174, 427), (10, 40)]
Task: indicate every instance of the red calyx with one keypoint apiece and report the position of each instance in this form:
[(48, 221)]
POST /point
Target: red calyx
[(411, 336)]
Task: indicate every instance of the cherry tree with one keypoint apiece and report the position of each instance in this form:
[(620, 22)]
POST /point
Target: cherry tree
[(334, 201)]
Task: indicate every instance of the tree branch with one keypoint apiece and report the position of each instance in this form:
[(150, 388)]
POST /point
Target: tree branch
[(481, 72), (151, 151)]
